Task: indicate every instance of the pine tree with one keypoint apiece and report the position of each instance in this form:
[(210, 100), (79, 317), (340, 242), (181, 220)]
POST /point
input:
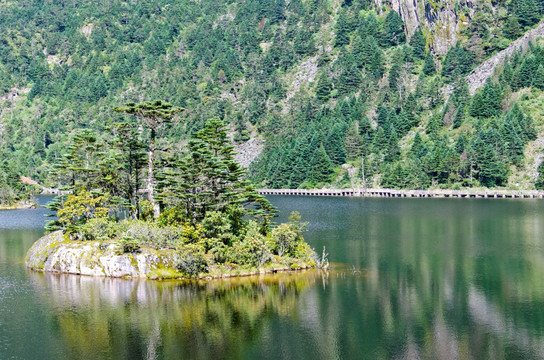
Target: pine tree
[(394, 29), (539, 184), (394, 76), (321, 167), (359, 51), (429, 67), (527, 70), (324, 87), (334, 145), (526, 11), (342, 29), (459, 117), (417, 42), (538, 80), (353, 142), (350, 79), (511, 28), (380, 142), (209, 179), (152, 114)]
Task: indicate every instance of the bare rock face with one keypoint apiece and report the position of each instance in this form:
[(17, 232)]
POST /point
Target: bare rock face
[(442, 19), (247, 152), (52, 253), (485, 70)]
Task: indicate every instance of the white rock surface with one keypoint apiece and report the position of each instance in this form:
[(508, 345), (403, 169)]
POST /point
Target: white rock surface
[(52, 253)]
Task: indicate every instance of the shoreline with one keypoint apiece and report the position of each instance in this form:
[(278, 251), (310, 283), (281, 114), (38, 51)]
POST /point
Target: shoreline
[(53, 253), (20, 206), (393, 193)]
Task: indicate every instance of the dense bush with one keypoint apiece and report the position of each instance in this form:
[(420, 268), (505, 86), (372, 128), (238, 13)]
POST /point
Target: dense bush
[(192, 261)]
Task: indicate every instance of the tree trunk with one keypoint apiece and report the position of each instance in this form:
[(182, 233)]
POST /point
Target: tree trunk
[(151, 176)]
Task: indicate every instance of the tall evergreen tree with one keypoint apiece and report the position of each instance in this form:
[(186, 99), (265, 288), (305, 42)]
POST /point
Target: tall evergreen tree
[(153, 115), (429, 68), (417, 42), (394, 29), (321, 167), (324, 87)]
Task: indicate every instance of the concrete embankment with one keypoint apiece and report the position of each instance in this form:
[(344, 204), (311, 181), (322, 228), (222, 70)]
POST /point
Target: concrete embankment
[(392, 193)]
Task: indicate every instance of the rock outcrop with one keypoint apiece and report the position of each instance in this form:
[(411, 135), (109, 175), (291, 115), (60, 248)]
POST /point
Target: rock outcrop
[(443, 20), (53, 253), (485, 70)]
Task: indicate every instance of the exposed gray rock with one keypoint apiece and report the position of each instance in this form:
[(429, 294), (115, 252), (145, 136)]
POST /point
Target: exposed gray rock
[(247, 152), (443, 19), (53, 253), (485, 70)]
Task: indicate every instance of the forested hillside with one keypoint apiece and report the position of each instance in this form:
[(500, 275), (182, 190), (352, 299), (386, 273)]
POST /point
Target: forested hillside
[(321, 86)]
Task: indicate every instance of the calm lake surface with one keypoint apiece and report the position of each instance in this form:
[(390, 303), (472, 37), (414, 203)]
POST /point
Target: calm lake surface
[(417, 278)]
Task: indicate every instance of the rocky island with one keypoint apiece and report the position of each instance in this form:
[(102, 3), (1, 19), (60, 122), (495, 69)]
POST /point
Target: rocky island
[(200, 217)]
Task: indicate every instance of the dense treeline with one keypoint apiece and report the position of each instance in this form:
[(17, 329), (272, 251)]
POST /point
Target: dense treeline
[(374, 88)]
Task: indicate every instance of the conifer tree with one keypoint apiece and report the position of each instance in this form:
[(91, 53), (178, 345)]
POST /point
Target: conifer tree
[(321, 167), (417, 42), (353, 142), (153, 115), (527, 70), (342, 29), (538, 80), (539, 184), (394, 76), (209, 179), (526, 11), (350, 79), (459, 117), (334, 145), (394, 29), (324, 87), (429, 67), (511, 28)]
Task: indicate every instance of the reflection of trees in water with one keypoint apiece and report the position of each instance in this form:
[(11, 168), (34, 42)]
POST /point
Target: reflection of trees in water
[(459, 287), (112, 318)]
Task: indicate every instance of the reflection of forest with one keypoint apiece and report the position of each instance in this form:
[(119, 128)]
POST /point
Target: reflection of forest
[(458, 282), (452, 284), (138, 318)]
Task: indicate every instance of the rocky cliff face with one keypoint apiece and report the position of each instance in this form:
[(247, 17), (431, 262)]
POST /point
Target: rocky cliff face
[(443, 20)]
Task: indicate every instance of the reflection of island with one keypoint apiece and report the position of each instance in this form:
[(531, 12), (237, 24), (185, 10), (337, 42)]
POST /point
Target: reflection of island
[(140, 319)]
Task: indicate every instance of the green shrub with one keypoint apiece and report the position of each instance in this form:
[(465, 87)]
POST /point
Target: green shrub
[(283, 239), (149, 234), (192, 261), (252, 250), (99, 229), (129, 245)]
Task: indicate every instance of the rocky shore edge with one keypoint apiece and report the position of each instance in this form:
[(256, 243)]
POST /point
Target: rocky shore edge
[(20, 205), (54, 253)]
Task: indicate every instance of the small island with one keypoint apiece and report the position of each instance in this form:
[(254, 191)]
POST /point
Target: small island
[(200, 218)]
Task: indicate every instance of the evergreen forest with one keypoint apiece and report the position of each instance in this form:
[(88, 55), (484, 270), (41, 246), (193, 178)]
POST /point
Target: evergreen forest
[(314, 93)]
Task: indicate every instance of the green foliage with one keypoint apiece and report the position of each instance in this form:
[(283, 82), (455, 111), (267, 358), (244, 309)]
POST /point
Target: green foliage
[(239, 68), (394, 29), (539, 185), (252, 249), (191, 261), (429, 68), (417, 42)]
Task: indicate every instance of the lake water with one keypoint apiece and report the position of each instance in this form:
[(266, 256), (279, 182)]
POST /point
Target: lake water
[(415, 278)]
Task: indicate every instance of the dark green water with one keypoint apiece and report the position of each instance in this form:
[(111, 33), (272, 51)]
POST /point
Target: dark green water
[(420, 278)]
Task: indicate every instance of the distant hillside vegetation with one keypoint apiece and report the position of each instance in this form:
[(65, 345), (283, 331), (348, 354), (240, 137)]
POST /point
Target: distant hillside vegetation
[(312, 90)]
